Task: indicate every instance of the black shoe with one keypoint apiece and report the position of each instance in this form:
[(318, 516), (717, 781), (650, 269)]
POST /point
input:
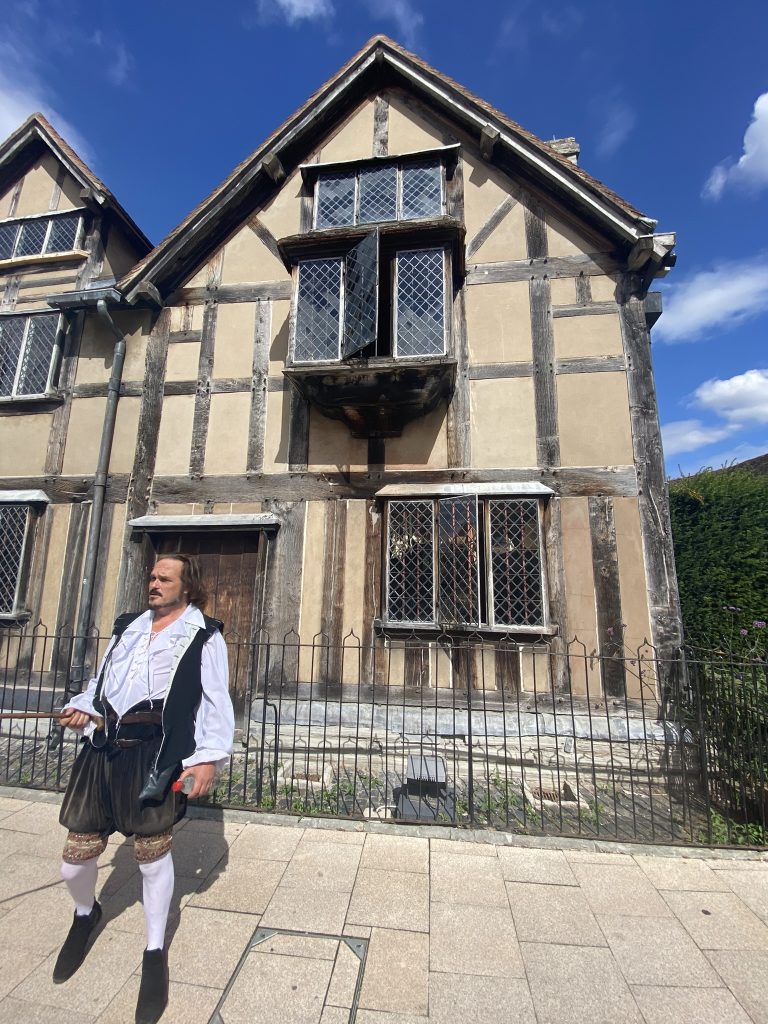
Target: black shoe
[(153, 993), (72, 953)]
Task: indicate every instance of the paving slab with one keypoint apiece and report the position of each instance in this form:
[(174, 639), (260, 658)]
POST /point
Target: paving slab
[(330, 866), (467, 879), (396, 973), (15, 965), (379, 1017), (576, 984), (187, 1004), (546, 866), (246, 886), (752, 889), (395, 853), (677, 873), (463, 997), (196, 854), (277, 990), (208, 945), (553, 913), (718, 920), (346, 970), (608, 886), (22, 875), (481, 940), (38, 923), (745, 972), (656, 951), (322, 834), (300, 910), (462, 848), (265, 842), (16, 1011), (390, 899), (689, 1006), (34, 817)]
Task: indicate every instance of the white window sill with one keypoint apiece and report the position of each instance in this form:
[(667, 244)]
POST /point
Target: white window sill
[(73, 256)]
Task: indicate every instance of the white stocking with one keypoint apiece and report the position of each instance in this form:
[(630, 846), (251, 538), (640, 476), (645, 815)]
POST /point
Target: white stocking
[(81, 882), (158, 879)]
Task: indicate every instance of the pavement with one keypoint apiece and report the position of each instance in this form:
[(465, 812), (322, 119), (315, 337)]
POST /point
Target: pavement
[(320, 921)]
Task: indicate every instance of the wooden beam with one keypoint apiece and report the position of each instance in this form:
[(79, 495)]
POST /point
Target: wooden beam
[(69, 343), (585, 309), (605, 570), (551, 267), (485, 232), (298, 431), (590, 364), (374, 559), (494, 371), (554, 574), (544, 387), (567, 481), (458, 419), (332, 600), (273, 167), (282, 592), (489, 136), (145, 291), (535, 230), (663, 597), (203, 394), (260, 371), (306, 210), (381, 126), (69, 490), (225, 293), (583, 289), (184, 337), (264, 235)]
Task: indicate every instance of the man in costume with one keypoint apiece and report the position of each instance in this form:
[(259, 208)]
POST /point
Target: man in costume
[(157, 711)]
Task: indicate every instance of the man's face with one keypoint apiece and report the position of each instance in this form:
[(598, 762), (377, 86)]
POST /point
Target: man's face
[(166, 590)]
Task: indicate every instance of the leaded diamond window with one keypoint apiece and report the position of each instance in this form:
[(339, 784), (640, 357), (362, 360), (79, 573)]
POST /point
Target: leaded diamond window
[(420, 303), (384, 192), (28, 354), (318, 307), (35, 236), (465, 561), (14, 520)]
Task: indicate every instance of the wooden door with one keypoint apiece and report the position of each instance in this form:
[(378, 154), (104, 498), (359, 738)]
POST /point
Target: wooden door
[(232, 566)]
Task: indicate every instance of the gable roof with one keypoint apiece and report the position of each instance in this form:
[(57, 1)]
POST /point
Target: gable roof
[(33, 138), (381, 63)]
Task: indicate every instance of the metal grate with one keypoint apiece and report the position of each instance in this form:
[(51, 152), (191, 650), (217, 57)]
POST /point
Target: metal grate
[(378, 195), (410, 585), (360, 295), (515, 562), (422, 191), (420, 312), (335, 200), (13, 529), (31, 238), (458, 561), (318, 305), (63, 233), (8, 234)]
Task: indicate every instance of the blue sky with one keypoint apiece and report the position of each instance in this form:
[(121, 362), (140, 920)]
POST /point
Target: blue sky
[(669, 102)]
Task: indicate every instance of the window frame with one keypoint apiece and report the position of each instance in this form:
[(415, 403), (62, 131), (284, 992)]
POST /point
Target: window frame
[(18, 609), (484, 567), (386, 271), (50, 216), (355, 173), (55, 361)]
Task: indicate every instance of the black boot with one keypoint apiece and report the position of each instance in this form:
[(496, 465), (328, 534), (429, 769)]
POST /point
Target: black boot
[(153, 993), (72, 953)]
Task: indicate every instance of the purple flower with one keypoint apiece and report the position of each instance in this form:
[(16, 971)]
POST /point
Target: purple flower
[(743, 632), (609, 631), (758, 624)]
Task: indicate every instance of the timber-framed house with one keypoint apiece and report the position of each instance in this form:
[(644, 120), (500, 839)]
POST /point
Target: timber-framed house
[(391, 379)]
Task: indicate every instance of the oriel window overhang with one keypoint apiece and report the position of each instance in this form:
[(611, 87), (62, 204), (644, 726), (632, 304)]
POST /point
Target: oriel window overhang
[(447, 155)]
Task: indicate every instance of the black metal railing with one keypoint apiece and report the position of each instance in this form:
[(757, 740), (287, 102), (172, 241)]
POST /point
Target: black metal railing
[(530, 737)]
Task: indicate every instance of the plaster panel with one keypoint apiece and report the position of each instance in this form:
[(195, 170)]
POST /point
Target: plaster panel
[(246, 258), (111, 569), (484, 189), (119, 256), (5, 200), (503, 423), (54, 564), (280, 327), (603, 288), (175, 438), (506, 241), (136, 330), (25, 442), (312, 576), (182, 361), (186, 318), (409, 131), (499, 323), (423, 443), (593, 415), (632, 573), (281, 215), (206, 273), (124, 442), (70, 194), (354, 139), (597, 335), (226, 449), (276, 433), (84, 436), (566, 240), (579, 592), (562, 291), (94, 363), (235, 333), (332, 447), (36, 191)]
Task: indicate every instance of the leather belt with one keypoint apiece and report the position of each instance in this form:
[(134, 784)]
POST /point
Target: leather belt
[(127, 744)]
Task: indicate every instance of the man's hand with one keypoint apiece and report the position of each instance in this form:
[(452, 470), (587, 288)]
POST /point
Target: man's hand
[(74, 719), (203, 774)]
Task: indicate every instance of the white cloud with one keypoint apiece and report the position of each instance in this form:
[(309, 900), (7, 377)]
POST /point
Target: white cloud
[(689, 435), (23, 92), (408, 21), (750, 171), (738, 400), (617, 120), (714, 299), (296, 11)]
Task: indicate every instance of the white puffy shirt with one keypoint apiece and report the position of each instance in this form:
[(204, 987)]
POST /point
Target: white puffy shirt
[(140, 667)]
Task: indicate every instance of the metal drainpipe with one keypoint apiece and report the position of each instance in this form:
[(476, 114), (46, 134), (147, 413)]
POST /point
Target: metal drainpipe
[(77, 673)]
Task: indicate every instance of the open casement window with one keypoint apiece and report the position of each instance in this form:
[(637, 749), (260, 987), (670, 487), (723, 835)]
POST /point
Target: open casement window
[(368, 301), (14, 533), (40, 236), (371, 195), (28, 354), (465, 561)]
